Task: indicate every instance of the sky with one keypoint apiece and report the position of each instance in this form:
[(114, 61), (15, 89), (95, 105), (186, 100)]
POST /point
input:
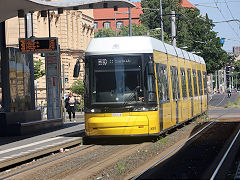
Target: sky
[(222, 10), (218, 11)]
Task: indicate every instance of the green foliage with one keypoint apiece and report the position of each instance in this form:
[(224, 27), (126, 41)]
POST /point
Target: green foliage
[(120, 167), (78, 87), (105, 33), (38, 72), (137, 30), (194, 31), (236, 73)]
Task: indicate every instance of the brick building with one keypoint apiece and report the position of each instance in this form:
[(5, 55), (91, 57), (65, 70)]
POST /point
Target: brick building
[(236, 50), (105, 18)]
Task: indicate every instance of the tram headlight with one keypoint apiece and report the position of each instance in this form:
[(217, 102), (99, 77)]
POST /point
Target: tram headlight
[(92, 110)]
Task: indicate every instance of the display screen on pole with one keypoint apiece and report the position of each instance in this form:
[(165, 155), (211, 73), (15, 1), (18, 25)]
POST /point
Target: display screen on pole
[(29, 45)]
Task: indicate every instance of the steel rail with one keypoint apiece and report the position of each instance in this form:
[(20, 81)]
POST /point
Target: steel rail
[(46, 162), (181, 145), (224, 157)]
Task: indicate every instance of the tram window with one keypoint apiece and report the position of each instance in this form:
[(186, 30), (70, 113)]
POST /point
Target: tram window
[(175, 82), (200, 82), (205, 82), (183, 78), (117, 79), (189, 82), (162, 82), (195, 82)]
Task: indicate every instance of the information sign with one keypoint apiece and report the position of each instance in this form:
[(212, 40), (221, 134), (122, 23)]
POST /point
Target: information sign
[(38, 45), (53, 85)]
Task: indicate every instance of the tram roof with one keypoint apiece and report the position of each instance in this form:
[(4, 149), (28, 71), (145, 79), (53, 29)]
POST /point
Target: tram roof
[(179, 52), (9, 8), (124, 45), (196, 58), (170, 49), (134, 44), (191, 57)]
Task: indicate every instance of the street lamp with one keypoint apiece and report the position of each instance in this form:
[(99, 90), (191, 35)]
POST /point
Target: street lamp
[(125, 12), (148, 31)]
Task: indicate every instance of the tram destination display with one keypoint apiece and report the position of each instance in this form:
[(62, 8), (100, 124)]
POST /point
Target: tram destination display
[(38, 45), (102, 62)]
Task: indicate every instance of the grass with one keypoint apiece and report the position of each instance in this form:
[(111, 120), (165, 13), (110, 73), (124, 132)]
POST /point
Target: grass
[(232, 105), (120, 167), (162, 139), (235, 104)]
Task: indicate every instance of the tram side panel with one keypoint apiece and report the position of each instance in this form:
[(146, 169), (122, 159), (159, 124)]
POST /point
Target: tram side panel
[(194, 88), (200, 87), (197, 95), (183, 87), (204, 75), (173, 82), (164, 105), (189, 88)]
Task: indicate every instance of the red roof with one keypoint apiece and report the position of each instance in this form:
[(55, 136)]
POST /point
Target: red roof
[(109, 13), (186, 3)]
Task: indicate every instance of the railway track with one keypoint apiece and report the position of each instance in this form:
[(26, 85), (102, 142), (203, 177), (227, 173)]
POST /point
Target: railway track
[(89, 160), (201, 156), (87, 167)]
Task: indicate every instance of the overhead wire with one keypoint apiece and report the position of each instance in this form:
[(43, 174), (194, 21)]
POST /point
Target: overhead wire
[(226, 19), (217, 2), (231, 12)]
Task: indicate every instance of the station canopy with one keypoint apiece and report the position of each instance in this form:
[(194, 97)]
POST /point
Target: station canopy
[(10, 8)]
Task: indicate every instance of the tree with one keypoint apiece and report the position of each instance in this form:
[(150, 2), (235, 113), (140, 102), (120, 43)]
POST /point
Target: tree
[(105, 33), (38, 72), (137, 30), (194, 31), (78, 87)]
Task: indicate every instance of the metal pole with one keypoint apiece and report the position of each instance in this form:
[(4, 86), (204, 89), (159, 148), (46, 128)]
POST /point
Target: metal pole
[(64, 110), (49, 25), (130, 22), (5, 85), (173, 27), (225, 84), (162, 33), (211, 83), (219, 79), (216, 85), (32, 23), (237, 82), (28, 34), (115, 24)]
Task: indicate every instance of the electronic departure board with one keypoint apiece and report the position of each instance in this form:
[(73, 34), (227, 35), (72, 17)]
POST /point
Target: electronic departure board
[(29, 45)]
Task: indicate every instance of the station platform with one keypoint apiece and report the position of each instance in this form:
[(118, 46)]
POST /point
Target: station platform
[(21, 148)]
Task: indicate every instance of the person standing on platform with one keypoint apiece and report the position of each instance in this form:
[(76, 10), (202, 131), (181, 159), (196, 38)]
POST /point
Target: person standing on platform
[(70, 105)]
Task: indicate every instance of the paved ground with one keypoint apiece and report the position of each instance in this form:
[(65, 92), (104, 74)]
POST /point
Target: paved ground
[(220, 100), (17, 149)]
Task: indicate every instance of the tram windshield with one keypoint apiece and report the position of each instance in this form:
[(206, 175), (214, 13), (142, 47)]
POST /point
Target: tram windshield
[(117, 79)]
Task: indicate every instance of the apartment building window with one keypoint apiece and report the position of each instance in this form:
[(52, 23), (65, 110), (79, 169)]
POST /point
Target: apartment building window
[(106, 25), (95, 25), (119, 24)]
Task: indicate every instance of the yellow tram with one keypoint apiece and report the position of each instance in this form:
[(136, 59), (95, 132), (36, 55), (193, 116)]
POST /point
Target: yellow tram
[(140, 86)]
